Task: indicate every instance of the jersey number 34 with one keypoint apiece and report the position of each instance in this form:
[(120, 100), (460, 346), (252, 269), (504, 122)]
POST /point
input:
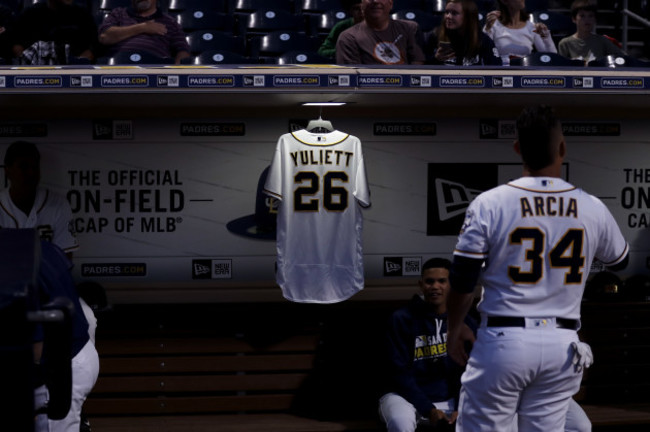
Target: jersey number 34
[(566, 253)]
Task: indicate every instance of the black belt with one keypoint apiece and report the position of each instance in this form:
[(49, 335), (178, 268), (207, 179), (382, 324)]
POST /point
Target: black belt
[(500, 321)]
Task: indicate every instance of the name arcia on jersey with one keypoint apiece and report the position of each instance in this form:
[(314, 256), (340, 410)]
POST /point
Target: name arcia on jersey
[(321, 157), (548, 206)]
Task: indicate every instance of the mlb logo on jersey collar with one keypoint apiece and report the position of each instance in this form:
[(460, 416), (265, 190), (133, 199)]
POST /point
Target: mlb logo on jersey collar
[(262, 224)]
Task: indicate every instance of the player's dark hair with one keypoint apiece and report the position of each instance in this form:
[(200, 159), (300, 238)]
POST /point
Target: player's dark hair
[(535, 127), (20, 149), (436, 263), (582, 5)]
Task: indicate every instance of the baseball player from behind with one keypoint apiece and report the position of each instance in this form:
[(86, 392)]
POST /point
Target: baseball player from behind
[(531, 242)]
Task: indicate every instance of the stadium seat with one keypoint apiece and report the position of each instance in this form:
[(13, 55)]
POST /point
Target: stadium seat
[(135, 58), (273, 44), (545, 59), (484, 6), (426, 21), (264, 21), (215, 5), (216, 57), (108, 5), (435, 6), (14, 6), (323, 23), (208, 40), (409, 5), (302, 57), (255, 5), (28, 3), (612, 61), (559, 24), (318, 6), (537, 5), (195, 19)]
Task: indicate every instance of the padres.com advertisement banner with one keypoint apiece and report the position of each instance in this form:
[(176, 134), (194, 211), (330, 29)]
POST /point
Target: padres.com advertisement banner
[(179, 201)]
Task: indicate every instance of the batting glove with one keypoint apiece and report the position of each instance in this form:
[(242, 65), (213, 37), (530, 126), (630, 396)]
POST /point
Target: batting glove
[(582, 356)]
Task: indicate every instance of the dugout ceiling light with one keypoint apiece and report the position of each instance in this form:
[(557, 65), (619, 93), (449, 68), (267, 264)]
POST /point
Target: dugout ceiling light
[(323, 104)]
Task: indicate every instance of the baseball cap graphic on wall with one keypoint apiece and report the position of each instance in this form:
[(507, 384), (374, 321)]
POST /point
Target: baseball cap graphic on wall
[(262, 224)]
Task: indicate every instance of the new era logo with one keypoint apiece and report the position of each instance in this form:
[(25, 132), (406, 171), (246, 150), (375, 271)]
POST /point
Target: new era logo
[(402, 266), (453, 198), (212, 269), (339, 80), (201, 269), (81, 81)]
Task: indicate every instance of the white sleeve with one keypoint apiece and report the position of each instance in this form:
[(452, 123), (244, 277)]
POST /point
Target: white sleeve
[(543, 44), (64, 233), (612, 247), (273, 185), (472, 240), (362, 191)]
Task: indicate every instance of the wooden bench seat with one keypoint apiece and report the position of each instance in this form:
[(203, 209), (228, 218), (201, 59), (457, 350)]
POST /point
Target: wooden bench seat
[(276, 422), (162, 376)]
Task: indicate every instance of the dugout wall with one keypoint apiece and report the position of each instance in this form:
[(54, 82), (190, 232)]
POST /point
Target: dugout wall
[(161, 165)]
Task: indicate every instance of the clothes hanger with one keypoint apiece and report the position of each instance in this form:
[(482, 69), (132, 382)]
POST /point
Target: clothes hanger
[(320, 125)]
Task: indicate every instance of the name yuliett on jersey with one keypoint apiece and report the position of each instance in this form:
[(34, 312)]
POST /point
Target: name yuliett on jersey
[(321, 157)]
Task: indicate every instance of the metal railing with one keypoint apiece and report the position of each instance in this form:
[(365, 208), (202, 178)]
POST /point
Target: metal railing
[(626, 15)]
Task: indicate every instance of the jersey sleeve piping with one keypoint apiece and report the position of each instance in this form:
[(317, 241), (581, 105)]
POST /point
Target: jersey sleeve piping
[(47, 195), (542, 191), (71, 249), (470, 254), (320, 144), (10, 215), (273, 194), (620, 257)]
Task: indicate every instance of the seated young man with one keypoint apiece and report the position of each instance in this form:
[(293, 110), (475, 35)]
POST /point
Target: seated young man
[(585, 44), (423, 381)]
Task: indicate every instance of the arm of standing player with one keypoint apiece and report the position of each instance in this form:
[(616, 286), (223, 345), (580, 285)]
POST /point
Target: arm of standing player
[(462, 277)]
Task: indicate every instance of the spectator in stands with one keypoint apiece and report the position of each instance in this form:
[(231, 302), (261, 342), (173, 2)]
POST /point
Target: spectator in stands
[(328, 48), (54, 32), (512, 32), (144, 27), (379, 39), (460, 41), (423, 381), (585, 44)]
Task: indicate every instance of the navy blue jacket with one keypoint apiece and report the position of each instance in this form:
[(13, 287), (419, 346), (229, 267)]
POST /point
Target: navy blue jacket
[(55, 280), (420, 369)]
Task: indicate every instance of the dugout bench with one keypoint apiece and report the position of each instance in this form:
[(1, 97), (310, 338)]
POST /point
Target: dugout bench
[(616, 389), (286, 367), (242, 367)]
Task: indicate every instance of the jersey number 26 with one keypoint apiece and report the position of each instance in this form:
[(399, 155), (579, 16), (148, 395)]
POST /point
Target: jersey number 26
[(335, 198)]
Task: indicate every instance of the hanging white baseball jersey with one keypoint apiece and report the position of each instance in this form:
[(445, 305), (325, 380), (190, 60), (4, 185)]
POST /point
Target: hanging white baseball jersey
[(320, 180), (50, 216), (539, 236)]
